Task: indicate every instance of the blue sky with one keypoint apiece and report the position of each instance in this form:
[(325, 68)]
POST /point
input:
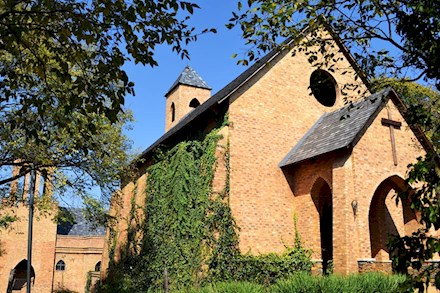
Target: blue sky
[(211, 57)]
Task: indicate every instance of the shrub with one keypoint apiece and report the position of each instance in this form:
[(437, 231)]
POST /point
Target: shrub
[(365, 283), (267, 268), (228, 287)]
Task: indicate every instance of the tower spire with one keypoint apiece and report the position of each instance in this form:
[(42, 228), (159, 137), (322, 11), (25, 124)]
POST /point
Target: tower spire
[(187, 92), (189, 77)]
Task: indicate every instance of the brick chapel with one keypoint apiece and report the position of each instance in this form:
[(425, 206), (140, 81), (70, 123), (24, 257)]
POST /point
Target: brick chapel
[(65, 256), (296, 148)]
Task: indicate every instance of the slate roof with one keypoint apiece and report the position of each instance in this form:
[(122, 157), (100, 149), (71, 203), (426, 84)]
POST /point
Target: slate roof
[(189, 77), (223, 94), (339, 129), (218, 97), (78, 225)]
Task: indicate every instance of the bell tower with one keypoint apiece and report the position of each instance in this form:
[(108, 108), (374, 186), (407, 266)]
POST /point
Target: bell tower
[(187, 93)]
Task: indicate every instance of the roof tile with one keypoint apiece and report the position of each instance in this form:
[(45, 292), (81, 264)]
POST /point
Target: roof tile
[(336, 130), (80, 226)]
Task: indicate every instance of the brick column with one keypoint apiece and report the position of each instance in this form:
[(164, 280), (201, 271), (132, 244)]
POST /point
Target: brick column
[(345, 238)]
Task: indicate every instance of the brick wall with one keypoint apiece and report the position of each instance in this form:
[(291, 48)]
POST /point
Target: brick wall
[(374, 164), (269, 116), (14, 242), (80, 255)]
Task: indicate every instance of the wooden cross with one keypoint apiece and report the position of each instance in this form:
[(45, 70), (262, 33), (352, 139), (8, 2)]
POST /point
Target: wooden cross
[(392, 124)]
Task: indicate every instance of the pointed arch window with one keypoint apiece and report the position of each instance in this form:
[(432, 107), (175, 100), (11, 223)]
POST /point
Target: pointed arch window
[(60, 266), (98, 266), (194, 103), (173, 112)]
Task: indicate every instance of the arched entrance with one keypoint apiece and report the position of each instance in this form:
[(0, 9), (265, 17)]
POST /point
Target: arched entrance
[(387, 219), (17, 277), (322, 198)]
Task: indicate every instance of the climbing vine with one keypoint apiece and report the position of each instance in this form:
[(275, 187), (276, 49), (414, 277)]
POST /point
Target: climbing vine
[(180, 211), (189, 234)]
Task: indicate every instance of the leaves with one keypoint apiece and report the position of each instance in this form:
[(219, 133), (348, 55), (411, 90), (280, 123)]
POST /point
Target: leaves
[(178, 204), (83, 47), (189, 230), (63, 87), (406, 33)]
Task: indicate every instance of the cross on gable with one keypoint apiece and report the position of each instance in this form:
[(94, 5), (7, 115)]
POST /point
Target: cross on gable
[(392, 124)]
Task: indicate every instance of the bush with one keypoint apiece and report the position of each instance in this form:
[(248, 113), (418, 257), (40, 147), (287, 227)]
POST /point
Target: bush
[(299, 282), (365, 283), (228, 287), (267, 268)]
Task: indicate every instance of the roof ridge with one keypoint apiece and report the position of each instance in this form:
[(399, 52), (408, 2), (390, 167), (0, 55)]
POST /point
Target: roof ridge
[(230, 88)]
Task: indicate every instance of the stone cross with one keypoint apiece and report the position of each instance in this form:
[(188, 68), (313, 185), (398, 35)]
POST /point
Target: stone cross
[(392, 124)]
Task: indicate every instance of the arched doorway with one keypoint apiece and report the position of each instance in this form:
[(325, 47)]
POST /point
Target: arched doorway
[(17, 277), (322, 198), (386, 219)]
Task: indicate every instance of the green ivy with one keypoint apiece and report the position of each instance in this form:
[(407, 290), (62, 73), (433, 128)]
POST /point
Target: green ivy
[(179, 213), (189, 231)]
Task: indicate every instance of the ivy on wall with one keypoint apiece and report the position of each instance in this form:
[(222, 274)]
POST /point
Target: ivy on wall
[(183, 216), (189, 231)]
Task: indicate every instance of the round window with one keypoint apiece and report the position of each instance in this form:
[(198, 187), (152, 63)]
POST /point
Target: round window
[(324, 87)]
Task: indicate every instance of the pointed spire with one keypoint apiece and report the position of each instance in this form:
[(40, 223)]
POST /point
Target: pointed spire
[(189, 77)]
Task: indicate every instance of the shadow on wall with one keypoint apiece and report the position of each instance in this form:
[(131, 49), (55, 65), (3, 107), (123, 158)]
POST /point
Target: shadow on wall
[(386, 219)]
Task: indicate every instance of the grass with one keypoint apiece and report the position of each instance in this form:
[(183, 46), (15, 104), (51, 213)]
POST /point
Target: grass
[(305, 283)]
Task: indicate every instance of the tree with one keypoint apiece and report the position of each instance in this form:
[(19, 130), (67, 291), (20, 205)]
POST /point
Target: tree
[(62, 85), (46, 39), (413, 251), (399, 39)]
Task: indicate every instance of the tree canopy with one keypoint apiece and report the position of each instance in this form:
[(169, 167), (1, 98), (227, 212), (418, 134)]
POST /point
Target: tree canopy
[(397, 38), (62, 85)]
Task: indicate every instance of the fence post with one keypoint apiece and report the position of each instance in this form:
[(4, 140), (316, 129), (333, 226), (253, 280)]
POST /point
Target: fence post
[(165, 280)]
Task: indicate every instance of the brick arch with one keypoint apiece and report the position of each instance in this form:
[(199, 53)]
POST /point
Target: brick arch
[(323, 199), (387, 219), (18, 276)]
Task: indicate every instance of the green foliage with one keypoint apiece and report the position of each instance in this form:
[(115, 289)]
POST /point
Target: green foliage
[(189, 231), (71, 165), (369, 282), (384, 36), (6, 220), (177, 205), (267, 268), (302, 282), (227, 287), (88, 283), (44, 40), (410, 253), (62, 84), (423, 104), (64, 291)]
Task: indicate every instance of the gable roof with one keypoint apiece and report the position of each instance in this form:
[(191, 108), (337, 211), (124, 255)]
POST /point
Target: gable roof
[(78, 225), (223, 94), (344, 128), (218, 97), (189, 77)]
